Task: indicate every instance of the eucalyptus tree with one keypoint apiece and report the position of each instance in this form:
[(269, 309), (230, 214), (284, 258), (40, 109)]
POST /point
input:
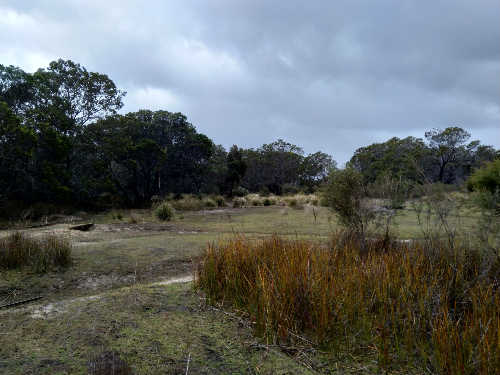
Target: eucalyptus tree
[(17, 144), (152, 153), (66, 98)]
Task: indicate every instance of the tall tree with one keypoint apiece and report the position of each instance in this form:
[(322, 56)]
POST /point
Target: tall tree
[(236, 167), (16, 88), (17, 143), (272, 166), (447, 147), (315, 168), (66, 98)]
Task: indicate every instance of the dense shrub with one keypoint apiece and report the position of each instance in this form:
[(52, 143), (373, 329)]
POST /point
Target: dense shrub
[(486, 178), (209, 203), (188, 204), (240, 192), (164, 212), (19, 250), (268, 201), (239, 202), (219, 200)]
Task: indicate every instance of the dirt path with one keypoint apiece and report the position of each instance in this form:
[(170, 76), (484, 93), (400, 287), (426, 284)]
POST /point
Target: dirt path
[(54, 308)]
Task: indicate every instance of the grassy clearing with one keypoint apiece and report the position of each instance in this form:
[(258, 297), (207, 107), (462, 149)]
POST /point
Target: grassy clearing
[(117, 260), (152, 329), (408, 306)]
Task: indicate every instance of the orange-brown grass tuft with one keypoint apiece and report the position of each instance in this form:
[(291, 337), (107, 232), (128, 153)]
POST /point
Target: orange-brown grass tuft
[(405, 303), (39, 254)]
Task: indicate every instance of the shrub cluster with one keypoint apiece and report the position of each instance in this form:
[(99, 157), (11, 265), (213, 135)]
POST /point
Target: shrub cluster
[(39, 254), (190, 202)]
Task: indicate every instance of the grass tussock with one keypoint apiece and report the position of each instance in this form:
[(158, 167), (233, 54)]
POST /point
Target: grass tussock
[(39, 254), (135, 218), (407, 304)]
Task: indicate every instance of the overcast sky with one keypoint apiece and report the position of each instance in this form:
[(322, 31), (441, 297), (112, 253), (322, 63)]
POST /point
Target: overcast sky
[(328, 76)]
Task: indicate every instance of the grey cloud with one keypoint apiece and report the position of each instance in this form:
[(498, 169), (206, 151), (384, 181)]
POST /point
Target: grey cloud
[(330, 76)]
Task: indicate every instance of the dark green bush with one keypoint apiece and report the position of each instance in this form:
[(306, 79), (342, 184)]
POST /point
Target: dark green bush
[(240, 192), (164, 212), (221, 202)]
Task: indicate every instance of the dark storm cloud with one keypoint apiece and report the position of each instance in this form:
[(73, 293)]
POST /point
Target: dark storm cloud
[(330, 76)]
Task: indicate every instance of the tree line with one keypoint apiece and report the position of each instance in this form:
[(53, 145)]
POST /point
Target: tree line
[(62, 140)]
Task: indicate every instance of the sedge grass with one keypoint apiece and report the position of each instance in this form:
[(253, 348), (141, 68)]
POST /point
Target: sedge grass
[(410, 305), (19, 250)]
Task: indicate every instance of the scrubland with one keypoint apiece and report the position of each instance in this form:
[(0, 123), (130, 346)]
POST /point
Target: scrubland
[(277, 289)]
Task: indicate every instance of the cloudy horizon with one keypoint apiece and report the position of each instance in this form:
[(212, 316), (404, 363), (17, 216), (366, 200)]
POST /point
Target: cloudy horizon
[(326, 76)]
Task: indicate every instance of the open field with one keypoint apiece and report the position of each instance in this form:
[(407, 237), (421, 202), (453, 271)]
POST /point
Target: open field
[(112, 302)]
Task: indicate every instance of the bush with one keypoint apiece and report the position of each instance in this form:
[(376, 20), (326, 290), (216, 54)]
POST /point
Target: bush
[(220, 201), (209, 203), (164, 212), (117, 215), (267, 201), (293, 202), (135, 218), (486, 178), (39, 254), (240, 192), (346, 197), (188, 204), (253, 200), (239, 202)]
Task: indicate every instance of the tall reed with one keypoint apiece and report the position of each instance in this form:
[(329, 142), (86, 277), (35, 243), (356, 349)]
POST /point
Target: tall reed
[(408, 303), (19, 250)]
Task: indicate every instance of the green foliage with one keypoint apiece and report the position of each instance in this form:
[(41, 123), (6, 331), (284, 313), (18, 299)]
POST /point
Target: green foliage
[(236, 167), (293, 202), (486, 178), (314, 169), (209, 203), (268, 201), (346, 197), (39, 254), (240, 192), (220, 201), (272, 165), (164, 212)]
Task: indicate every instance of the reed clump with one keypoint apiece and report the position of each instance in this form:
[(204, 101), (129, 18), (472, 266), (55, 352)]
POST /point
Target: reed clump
[(39, 254), (408, 304)]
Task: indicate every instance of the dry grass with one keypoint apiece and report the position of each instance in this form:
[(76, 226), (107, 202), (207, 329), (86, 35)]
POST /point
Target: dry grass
[(135, 218), (408, 305), (19, 250)]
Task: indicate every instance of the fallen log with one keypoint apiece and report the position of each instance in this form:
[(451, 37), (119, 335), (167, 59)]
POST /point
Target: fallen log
[(82, 227), (21, 302)]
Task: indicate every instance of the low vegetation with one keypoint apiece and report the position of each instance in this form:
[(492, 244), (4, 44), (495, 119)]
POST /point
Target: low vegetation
[(164, 212), (20, 250), (409, 305)]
